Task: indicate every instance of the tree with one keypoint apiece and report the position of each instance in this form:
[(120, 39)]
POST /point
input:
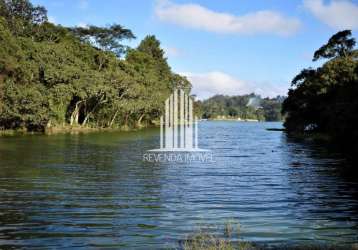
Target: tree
[(56, 76), (240, 107), (22, 16), (339, 45), (324, 100), (303, 76), (150, 45), (24, 107), (104, 38), (154, 80)]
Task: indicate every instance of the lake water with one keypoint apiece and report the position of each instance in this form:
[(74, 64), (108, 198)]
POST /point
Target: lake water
[(94, 190)]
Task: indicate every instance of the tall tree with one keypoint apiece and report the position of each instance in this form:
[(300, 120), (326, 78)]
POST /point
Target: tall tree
[(105, 38), (150, 45), (22, 16), (340, 44), (52, 75), (324, 100)]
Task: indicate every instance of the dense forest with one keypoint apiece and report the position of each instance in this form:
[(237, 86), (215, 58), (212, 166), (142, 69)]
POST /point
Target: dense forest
[(324, 100), (59, 76), (55, 76), (244, 107)]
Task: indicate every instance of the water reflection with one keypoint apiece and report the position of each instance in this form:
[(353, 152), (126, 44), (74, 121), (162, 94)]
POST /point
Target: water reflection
[(328, 200), (95, 190)]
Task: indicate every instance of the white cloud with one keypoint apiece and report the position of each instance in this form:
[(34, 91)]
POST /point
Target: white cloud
[(52, 19), (171, 51), (198, 17), (339, 14), (83, 4), (82, 25), (215, 82)]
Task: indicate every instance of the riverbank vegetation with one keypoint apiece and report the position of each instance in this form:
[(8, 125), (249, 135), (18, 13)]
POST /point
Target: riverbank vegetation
[(226, 238), (229, 238), (244, 107), (55, 76), (324, 100), (63, 78)]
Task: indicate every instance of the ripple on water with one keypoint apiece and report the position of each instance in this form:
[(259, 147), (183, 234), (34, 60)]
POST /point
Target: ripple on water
[(94, 190)]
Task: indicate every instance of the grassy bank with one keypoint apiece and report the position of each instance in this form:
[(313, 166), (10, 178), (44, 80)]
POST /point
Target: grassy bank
[(67, 130)]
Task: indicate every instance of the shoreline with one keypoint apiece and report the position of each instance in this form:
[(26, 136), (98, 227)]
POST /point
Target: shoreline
[(84, 130), (235, 120), (66, 130)]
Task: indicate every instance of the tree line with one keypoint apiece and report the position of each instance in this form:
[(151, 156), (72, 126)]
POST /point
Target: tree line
[(324, 100), (52, 75), (245, 107)]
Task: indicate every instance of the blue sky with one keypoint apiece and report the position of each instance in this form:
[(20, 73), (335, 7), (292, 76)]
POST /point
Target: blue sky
[(223, 47)]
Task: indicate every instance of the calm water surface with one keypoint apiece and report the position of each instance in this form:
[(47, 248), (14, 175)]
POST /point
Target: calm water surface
[(95, 191)]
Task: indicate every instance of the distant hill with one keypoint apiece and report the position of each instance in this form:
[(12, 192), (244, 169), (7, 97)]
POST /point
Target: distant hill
[(244, 107)]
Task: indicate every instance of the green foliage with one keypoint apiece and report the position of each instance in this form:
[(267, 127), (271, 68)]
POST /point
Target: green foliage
[(52, 75), (10, 53), (24, 106), (105, 38), (324, 100), (243, 107), (339, 45), (22, 17)]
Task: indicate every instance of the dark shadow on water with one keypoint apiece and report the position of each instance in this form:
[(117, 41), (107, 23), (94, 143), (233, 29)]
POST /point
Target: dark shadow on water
[(65, 191)]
